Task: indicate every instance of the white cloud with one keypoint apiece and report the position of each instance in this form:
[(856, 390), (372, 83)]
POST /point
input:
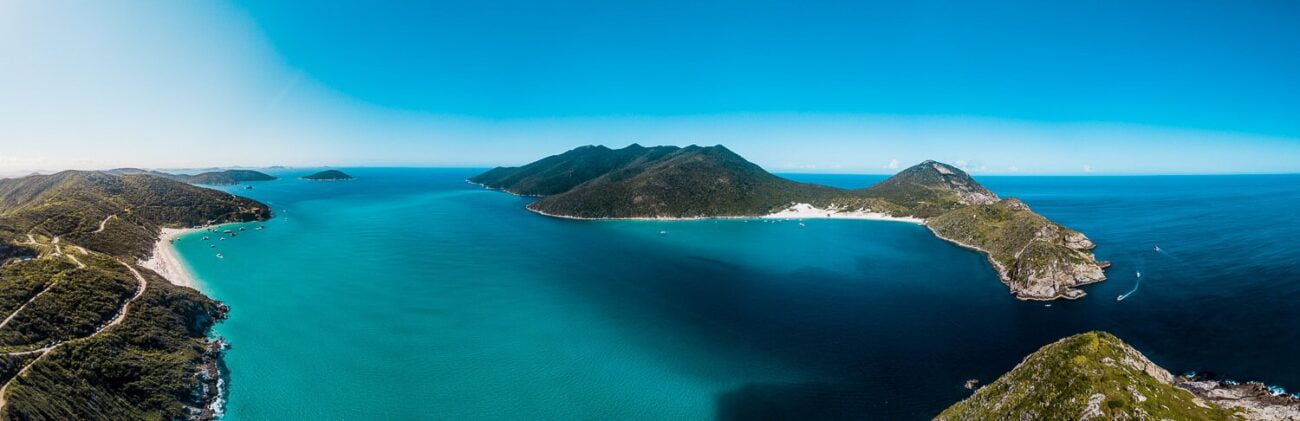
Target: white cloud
[(893, 164), (1087, 168), (1013, 168)]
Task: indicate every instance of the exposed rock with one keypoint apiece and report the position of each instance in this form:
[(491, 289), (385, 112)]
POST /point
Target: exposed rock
[(1254, 400)]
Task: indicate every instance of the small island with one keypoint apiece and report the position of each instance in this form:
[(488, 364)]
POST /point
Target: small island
[(328, 175), (1036, 258)]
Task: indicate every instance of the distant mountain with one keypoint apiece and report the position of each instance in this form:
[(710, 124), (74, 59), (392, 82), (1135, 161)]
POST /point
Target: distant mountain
[(211, 178), (1036, 258), (1096, 376), (663, 181), (107, 339), (328, 175)]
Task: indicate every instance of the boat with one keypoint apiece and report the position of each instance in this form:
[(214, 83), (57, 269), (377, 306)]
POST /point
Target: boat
[(212, 246), (802, 225), (223, 238), (662, 232), (219, 256), (1157, 247), (243, 229), (205, 238), (1139, 274)]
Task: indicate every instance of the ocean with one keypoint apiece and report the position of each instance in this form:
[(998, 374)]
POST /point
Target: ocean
[(411, 294)]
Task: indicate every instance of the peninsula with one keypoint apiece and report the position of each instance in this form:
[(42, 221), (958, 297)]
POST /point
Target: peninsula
[(211, 178), (1095, 375), (328, 175), (1036, 258), (88, 333)]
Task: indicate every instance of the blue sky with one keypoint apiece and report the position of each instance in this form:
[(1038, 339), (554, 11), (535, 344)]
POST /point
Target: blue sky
[(999, 87)]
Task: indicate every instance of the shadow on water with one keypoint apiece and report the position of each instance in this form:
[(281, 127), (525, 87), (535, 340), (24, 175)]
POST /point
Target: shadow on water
[(803, 401), (875, 339)]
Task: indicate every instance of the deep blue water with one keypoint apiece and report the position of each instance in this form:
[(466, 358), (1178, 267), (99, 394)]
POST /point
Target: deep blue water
[(408, 293)]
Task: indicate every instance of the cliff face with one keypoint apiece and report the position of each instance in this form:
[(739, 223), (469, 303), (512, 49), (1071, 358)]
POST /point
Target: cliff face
[(1096, 376), (1035, 257)]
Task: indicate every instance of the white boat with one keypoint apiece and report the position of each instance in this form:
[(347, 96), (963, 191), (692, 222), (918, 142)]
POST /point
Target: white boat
[(1157, 247), (219, 256), (662, 232)]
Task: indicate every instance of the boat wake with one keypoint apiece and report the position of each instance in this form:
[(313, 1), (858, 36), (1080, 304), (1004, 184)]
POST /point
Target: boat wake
[(1136, 284)]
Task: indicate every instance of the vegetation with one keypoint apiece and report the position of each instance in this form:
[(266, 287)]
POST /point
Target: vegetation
[(1092, 375), (74, 205), (328, 175), (211, 178), (1037, 258), (67, 239), (670, 182)]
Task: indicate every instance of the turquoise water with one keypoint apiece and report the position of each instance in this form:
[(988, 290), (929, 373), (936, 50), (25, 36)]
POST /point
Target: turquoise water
[(410, 294)]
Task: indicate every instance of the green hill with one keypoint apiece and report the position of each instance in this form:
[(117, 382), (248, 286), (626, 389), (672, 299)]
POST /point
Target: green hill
[(1086, 376), (75, 205), (211, 178), (1036, 258), (87, 338)]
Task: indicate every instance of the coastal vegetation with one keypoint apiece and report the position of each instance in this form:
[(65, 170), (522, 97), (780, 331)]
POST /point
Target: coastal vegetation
[(85, 334), (328, 175), (1095, 375), (1035, 257)]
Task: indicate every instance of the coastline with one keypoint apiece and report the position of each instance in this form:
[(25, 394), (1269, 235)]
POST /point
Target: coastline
[(799, 211), (166, 262)]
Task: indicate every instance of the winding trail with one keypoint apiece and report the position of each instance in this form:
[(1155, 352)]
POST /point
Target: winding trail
[(121, 315), (103, 223)]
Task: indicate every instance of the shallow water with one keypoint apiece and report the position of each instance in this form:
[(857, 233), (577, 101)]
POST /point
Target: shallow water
[(408, 293)]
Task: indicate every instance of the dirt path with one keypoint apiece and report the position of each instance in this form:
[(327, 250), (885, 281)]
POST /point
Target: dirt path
[(103, 223), (121, 315)]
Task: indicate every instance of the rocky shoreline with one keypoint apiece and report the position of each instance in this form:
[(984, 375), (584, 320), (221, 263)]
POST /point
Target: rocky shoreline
[(209, 394), (1255, 400)]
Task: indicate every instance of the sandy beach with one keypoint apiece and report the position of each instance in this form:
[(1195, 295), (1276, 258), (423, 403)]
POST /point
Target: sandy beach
[(166, 262), (807, 211), (796, 211)]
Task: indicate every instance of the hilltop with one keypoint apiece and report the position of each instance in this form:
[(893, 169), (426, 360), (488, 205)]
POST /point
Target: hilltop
[(1095, 375), (87, 333), (1035, 257), (211, 178), (328, 175)]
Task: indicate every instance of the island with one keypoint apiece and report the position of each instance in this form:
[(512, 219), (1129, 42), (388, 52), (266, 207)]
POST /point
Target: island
[(1036, 258), (87, 331), (211, 178), (328, 175), (1097, 376)]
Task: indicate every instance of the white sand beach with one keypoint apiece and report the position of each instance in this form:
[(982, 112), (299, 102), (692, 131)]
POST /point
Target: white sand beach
[(807, 211), (795, 211), (166, 262)]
